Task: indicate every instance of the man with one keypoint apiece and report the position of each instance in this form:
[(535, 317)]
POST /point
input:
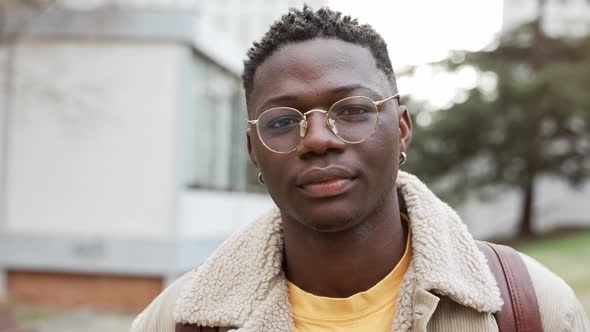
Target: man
[(355, 244)]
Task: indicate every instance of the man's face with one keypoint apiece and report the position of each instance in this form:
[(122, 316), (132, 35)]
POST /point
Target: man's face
[(326, 184)]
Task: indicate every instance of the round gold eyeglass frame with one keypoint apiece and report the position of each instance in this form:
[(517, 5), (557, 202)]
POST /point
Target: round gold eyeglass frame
[(304, 125)]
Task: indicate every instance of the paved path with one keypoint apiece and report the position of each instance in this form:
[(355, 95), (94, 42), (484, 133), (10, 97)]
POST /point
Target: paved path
[(82, 321)]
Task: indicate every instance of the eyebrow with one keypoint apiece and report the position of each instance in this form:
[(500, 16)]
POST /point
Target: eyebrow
[(293, 98)]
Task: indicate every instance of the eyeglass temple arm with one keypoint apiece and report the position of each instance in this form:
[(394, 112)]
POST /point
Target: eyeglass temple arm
[(252, 121), (377, 103)]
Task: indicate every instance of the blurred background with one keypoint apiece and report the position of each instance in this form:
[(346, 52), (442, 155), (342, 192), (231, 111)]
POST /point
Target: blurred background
[(122, 149)]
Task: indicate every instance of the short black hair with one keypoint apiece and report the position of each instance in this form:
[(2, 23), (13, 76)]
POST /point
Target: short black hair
[(305, 24)]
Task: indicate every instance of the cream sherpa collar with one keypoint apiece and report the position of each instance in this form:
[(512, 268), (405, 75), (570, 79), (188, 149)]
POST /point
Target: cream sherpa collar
[(242, 284)]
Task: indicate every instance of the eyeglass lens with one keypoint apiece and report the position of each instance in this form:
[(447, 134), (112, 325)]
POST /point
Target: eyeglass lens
[(352, 119)]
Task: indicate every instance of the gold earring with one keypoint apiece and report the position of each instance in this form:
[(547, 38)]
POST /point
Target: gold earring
[(402, 158), (260, 178)]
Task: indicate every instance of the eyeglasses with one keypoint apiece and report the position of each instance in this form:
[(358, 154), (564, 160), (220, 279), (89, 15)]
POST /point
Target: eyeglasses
[(352, 119)]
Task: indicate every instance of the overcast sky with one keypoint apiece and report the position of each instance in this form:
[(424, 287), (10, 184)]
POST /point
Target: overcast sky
[(419, 31), (422, 31)]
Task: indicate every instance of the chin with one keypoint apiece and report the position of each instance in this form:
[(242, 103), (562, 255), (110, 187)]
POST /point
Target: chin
[(329, 222)]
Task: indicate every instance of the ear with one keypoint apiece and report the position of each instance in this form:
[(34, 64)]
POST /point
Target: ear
[(405, 127), (250, 151)]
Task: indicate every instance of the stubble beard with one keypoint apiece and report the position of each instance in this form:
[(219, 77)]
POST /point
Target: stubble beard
[(362, 219)]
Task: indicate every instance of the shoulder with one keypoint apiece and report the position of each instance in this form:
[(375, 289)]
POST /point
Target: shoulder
[(559, 307), (158, 316)]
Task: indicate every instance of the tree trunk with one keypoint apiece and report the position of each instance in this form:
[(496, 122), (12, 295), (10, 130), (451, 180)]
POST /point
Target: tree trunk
[(525, 228)]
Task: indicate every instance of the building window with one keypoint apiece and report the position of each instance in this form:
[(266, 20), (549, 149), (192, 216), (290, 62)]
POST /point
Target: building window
[(220, 159)]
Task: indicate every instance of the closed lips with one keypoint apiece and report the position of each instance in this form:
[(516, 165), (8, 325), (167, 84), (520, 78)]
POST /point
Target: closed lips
[(324, 176)]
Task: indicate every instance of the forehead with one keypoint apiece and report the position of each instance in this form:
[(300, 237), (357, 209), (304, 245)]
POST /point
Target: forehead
[(313, 68)]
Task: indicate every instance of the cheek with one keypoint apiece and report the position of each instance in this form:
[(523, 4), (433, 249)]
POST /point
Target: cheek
[(274, 169), (275, 173), (388, 130), (383, 147)]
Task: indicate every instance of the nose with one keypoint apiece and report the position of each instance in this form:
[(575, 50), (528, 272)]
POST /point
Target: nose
[(318, 138)]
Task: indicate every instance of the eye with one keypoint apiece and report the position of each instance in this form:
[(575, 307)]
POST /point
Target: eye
[(283, 122), (356, 112), (353, 110)]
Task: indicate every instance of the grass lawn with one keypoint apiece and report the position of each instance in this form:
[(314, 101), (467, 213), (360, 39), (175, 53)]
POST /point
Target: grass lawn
[(567, 255)]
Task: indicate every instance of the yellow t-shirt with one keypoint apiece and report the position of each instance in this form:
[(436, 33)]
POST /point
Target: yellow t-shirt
[(371, 310)]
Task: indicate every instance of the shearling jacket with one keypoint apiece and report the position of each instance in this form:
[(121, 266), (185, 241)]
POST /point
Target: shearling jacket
[(448, 287)]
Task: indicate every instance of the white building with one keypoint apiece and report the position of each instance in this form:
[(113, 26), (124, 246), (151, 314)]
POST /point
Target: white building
[(560, 17), (122, 154), (241, 21)]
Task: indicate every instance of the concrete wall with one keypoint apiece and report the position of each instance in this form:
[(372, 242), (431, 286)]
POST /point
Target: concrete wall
[(218, 214), (4, 104), (92, 137)]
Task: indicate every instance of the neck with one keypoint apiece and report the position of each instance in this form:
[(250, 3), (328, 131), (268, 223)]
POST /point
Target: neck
[(345, 263)]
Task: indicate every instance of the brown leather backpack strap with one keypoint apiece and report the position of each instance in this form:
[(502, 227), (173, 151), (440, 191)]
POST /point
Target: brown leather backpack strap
[(194, 328), (520, 312)]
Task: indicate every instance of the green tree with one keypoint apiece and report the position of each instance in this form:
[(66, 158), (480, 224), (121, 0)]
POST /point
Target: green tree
[(535, 122)]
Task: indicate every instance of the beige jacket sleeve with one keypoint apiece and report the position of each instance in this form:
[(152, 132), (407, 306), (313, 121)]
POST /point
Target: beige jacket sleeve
[(559, 307), (158, 316)]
